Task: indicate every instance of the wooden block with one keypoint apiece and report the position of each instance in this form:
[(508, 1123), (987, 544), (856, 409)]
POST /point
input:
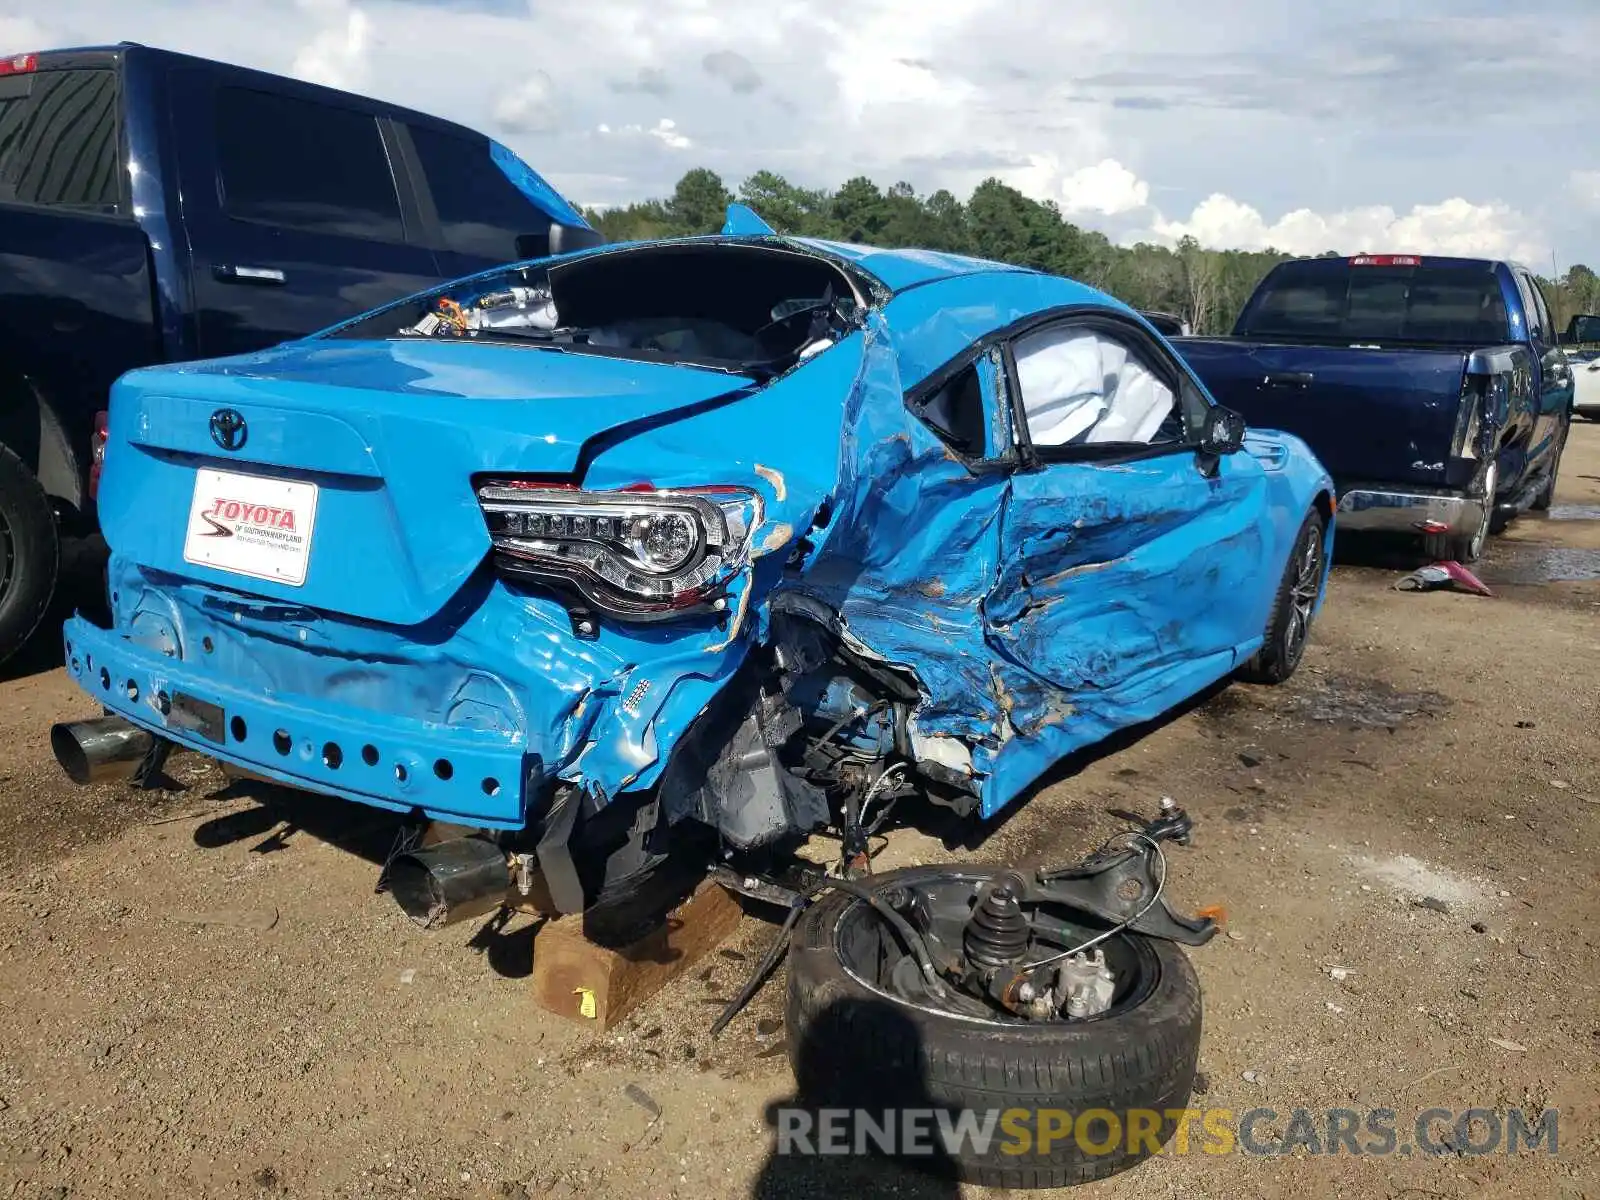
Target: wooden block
[(599, 985)]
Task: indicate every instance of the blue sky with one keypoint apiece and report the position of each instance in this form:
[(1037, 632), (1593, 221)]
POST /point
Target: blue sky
[(1464, 126)]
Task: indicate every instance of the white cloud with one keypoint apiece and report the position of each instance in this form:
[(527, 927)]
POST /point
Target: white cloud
[(1585, 188), (666, 131), (1452, 227), (20, 35), (532, 106), (1455, 226), (881, 55), (336, 55), (1107, 187)]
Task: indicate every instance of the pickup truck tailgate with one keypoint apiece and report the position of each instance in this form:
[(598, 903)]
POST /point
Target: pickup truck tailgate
[(1368, 414)]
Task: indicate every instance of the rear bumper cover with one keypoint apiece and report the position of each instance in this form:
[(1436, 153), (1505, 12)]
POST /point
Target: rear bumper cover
[(1375, 509), (472, 776)]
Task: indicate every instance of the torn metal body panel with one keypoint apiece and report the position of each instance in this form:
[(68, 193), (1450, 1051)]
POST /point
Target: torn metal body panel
[(742, 531)]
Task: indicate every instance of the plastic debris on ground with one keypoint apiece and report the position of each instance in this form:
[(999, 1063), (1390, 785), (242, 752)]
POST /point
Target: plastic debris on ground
[(1443, 575)]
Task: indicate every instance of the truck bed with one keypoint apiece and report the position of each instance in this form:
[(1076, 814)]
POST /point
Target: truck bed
[(77, 308)]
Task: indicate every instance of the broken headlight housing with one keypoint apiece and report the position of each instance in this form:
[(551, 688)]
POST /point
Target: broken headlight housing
[(641, 554)]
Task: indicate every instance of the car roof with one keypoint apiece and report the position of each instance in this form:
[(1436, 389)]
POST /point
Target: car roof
[(900, 270), (897, 270)]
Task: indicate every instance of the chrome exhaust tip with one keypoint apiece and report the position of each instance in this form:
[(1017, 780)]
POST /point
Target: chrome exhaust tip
[(104, 750), (451, 881)]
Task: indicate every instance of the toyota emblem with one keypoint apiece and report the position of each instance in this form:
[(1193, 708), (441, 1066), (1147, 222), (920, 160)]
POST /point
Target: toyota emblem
[(228, 429)]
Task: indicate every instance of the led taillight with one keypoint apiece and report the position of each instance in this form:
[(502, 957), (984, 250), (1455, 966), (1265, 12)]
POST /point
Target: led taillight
[(97, 450), (1386, 260), (19, 64), (638, 552)]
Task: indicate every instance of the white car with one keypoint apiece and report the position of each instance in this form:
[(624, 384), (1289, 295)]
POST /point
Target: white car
[(1585, 382)]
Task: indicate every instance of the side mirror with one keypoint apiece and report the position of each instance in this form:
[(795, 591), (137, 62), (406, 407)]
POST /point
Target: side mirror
[(1585, 327), (1223, 432)]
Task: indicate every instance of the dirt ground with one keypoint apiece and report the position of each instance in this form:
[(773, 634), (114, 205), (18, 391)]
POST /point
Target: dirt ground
[(202, 996)]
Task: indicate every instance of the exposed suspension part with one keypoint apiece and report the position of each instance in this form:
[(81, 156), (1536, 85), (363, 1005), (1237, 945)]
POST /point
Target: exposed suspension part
[(996, 935)]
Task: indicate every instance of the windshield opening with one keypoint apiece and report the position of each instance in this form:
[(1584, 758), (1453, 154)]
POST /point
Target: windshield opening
[(748, 308), (1338, 302)]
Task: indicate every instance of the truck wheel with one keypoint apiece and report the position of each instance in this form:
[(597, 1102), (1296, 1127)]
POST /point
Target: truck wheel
[(1547, 494), (1103, 1086), (29, 553), (1289, 627), (1467, 548)]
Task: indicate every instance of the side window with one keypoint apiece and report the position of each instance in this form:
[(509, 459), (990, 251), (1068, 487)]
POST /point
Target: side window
[(969, 411), (1547, 326), (301, 165), (482, 211), (1085, 385), (58, 139), (1538, 322)]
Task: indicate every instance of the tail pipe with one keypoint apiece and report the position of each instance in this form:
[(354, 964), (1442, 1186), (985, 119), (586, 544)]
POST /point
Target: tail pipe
[(451, 881), (104, 750)]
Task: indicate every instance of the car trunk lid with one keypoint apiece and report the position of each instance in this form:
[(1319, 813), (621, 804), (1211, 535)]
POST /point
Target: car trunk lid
[(338, 475)]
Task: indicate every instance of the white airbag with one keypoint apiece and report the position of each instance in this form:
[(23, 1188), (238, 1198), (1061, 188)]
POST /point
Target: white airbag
[(1082, 387)]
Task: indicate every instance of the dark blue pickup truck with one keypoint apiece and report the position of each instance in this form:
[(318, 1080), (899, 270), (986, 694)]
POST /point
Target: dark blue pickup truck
[(1434, 390), (156, 207)]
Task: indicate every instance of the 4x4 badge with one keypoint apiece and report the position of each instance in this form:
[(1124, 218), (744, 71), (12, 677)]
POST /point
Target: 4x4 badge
[(228, 429)]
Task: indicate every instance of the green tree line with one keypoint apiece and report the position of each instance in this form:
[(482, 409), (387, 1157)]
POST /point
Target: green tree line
[(1206, 287)]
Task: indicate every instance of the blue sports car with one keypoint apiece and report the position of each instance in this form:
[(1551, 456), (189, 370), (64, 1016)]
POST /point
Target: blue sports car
[(744, 534)]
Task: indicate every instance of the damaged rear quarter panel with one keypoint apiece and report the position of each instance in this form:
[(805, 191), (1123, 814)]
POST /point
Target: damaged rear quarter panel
[(783, 444), (903, 558), (908, 549)]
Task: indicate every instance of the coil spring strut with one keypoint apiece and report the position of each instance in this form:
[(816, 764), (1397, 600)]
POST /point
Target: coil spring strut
[(997, 932)]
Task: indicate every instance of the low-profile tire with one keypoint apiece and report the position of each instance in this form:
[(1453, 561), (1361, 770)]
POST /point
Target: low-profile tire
[(30, 553), (852, 1046), (1289, 626), (632, 892)]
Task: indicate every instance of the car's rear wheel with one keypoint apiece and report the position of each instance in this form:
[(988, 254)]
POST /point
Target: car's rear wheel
[(29, 553), (1289, 627)]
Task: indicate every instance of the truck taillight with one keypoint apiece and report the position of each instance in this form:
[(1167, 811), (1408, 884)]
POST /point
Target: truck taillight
[(640, 553), (1386, 260), (97, 450), (19, 64), (1479, 416)]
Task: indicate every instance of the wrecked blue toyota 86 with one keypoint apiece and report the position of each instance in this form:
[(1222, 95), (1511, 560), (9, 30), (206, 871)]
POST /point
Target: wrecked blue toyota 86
[(746, 535)]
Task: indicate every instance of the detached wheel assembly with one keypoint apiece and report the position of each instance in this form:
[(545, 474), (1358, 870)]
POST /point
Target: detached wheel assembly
[(1053, 1008)]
